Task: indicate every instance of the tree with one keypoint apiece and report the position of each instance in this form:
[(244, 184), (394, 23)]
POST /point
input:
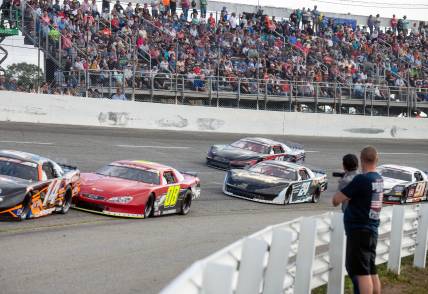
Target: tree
[(26, 74)]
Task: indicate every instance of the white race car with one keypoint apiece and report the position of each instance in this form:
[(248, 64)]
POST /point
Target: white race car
[(403, 184)]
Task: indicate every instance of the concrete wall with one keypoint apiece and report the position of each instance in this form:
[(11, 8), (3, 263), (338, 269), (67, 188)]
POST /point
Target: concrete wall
[(35, 108)]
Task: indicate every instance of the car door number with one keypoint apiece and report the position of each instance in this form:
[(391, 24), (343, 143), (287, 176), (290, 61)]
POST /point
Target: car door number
[(304, 189), (420, 189), (172, 196)]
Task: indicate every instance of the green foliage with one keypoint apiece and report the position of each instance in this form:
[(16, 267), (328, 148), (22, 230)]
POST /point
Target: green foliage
[(24, 73)]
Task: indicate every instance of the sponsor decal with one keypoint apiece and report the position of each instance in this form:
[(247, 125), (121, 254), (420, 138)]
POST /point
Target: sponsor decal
[(393, 198)]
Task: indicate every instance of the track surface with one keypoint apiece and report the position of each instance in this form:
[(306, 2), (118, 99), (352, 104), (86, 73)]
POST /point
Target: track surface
[(86, 253)]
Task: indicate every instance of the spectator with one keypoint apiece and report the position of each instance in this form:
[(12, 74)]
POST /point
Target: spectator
[(394, 23), (350, 166), (185, 6), (118, 95), (155, 8), (361, 219), (203, 4), (406, 25)]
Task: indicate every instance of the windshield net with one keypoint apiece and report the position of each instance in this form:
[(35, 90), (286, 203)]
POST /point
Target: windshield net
[(22, 170), (396, 174), (128, 173), (275, 171), (251, 146)]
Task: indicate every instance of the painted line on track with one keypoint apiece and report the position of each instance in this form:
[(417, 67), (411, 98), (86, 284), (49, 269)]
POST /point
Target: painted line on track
[(28, 142), (153, 147), (312, 151)]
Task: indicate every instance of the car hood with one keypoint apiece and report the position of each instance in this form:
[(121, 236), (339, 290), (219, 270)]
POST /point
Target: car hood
[(111, 186), (389, 183), (256, 182), (232, 153)]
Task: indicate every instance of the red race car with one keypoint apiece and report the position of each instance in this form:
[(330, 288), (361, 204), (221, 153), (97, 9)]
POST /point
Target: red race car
[(137, 189)]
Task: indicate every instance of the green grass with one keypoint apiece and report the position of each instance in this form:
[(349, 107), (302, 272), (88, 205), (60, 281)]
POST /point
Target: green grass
[(410, 281)]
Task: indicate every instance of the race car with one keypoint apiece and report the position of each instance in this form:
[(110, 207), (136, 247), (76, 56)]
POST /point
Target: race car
[(137, 189), (276, 182), (248, 151), (403, 184), (32, 186)]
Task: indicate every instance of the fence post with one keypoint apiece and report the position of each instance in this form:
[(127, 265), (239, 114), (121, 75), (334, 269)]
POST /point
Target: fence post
[(419, 259), (213, 274), (336, 277), (394, 258), (305, 256), (251, 266), (278, 260)]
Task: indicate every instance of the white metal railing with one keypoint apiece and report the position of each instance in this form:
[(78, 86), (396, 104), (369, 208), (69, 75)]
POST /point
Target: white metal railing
[(302, 254)]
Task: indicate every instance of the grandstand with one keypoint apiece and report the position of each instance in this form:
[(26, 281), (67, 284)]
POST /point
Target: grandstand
[(304, 61)]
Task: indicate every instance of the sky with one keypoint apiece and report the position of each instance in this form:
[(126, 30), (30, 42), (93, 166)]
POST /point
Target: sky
[(414, 9)]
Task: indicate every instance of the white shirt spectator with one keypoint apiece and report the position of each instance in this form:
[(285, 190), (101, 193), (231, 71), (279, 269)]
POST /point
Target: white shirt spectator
[(233, 22)]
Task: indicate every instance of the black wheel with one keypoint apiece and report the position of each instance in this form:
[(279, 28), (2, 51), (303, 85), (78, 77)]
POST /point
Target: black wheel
[(149, 207), (26, 208), (67, 202), (288, 196), (403, 198), (186, 203), (316, 196)]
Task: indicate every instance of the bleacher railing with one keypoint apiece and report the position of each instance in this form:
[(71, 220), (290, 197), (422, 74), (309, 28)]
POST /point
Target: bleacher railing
[(234, 92), (303, 254)]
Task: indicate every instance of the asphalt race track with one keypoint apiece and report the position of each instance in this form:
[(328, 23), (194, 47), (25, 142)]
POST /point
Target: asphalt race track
[(87, 253)]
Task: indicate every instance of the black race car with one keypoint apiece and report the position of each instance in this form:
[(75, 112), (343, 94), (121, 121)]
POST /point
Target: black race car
[(248, 151), (33, 186), (276, 182)]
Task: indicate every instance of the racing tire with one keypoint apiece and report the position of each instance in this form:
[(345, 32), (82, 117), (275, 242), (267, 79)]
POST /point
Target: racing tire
[(186, 203), (149, 207), (26, 208), (403, 198), (316, 196), (67, 202), (288, 196)]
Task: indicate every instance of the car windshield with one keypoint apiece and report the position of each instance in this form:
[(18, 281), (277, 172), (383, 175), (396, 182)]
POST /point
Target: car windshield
[(129, 173), (275, 171), (251, 146), (22, 170), (396, 174)]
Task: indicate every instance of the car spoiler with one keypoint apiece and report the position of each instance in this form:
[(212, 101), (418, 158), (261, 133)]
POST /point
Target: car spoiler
[(294, 145), (190, 173), (319, 171), (67, 167)]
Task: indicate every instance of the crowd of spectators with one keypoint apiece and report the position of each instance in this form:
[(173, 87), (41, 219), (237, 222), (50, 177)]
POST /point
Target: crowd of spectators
[(166, 37)]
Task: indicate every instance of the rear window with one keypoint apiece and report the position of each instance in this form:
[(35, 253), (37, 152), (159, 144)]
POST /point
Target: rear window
[(396, 174), (251, 146), (273, 170), (129, 173)]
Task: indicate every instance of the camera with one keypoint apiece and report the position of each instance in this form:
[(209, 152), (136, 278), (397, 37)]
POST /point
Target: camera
[(338, 174)]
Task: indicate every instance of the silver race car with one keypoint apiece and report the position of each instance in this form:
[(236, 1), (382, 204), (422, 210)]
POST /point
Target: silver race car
[(403, 184), (276, 182)]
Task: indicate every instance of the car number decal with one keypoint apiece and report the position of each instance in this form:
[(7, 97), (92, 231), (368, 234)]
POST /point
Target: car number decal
[(172, 196), (304, 189), (420, 189)]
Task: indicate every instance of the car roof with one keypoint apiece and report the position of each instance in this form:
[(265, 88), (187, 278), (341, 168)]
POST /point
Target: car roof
[(285, 164), (401, 168), (23, 156), (262, 140), (144, 164)]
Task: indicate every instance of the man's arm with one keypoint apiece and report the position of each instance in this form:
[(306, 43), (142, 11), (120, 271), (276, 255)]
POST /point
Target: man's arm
[(339, 198)]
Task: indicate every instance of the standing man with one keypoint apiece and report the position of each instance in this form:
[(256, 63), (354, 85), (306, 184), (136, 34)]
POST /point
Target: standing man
[(361, 220), (204, 4)]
